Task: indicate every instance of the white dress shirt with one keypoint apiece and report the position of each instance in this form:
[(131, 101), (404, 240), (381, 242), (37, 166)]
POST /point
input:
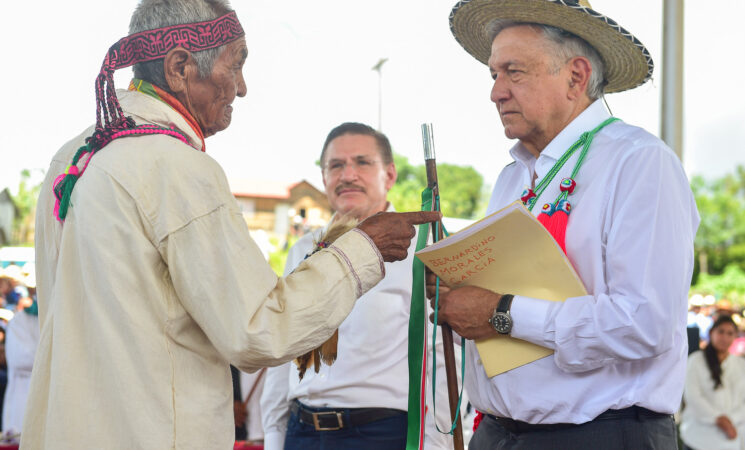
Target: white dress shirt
[(703, 404), (630, 239), (371, 370)]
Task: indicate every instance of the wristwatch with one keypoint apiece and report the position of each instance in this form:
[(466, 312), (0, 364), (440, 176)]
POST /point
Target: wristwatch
[(501, 320)]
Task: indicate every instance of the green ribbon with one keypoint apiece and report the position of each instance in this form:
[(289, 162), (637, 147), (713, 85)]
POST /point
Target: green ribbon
[(434, 363), (584, 141), (417, 339)]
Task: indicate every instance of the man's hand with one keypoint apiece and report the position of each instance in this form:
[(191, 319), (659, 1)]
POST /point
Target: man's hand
[(725, 425), (392, 232), (467, 310), (431, 279)]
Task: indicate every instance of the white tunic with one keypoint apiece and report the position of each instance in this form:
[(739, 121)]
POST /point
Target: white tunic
[(153, 286), (703, 404)]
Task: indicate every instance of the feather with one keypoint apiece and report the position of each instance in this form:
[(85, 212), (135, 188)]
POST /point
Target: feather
[(328, 349), (327, 352)]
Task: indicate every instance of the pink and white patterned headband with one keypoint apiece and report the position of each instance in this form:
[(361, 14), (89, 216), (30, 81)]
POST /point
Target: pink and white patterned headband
[(154, 44)]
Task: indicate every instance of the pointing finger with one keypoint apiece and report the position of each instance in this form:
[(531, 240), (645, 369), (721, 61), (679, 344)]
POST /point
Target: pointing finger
[(420, 217)]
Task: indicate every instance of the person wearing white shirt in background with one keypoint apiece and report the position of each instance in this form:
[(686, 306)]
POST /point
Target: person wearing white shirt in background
[(368, 382), (714, 414), (618, 367), (21, 342)]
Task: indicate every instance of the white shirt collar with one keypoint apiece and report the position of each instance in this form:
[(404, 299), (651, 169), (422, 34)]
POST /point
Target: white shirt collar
[(587, 120)]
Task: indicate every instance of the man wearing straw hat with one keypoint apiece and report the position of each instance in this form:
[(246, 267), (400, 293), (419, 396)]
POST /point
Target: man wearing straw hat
[(616, 200), (149, 284)]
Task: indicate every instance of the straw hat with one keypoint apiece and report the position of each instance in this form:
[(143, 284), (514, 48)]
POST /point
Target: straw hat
[(627, 62), (13, 271)]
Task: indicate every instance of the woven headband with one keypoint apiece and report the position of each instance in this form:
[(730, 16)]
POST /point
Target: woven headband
[(137, 48), (154, 44)]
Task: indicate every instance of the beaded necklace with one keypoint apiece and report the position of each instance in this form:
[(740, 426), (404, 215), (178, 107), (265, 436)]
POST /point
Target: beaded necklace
[(555, 216)]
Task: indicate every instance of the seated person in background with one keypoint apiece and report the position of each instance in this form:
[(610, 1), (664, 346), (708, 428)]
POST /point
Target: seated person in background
[(367, 384), (714, 414)]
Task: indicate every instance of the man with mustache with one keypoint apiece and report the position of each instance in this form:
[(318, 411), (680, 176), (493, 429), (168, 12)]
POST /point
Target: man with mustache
[(360, 400)]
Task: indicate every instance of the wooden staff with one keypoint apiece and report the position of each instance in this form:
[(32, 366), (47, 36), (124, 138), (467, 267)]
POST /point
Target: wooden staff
[(447, 335)]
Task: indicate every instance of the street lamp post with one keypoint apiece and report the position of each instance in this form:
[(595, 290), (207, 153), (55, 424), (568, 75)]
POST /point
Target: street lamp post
[(671, 110), (379, 68)]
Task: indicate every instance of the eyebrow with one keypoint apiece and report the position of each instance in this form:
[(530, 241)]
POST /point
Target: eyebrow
[(507, 64), (356, 157), (243, 54)]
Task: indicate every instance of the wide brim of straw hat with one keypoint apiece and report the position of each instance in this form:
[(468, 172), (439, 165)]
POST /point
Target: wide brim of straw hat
[(627, 62)]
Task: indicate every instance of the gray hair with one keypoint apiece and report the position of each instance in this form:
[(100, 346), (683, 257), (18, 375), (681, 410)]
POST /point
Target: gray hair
[(566, 46), (152, 14)]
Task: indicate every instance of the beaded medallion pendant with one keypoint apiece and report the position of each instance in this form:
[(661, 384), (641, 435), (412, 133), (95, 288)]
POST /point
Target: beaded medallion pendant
[(554, 216)]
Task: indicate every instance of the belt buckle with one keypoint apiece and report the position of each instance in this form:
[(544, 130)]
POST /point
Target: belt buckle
[(332, 413)]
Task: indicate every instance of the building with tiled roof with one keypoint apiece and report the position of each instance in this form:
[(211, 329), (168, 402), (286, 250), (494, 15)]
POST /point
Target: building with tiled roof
[(277, 207)]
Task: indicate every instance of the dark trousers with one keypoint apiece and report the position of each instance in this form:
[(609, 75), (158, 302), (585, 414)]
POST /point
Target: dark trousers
[(384, 434), (628, 433)]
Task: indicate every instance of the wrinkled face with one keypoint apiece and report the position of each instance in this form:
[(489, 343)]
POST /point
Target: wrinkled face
[(210, 99), (722, 337), (356, 179), (530, 91)]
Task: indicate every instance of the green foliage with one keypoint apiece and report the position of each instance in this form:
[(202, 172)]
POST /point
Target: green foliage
[(25, 200), (730, 284), (406, 194), (278, 258), (461, 188), (720, 240)]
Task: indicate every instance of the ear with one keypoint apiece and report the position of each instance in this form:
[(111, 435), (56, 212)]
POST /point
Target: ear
[(177, 67), (390, 176), (580, 70)]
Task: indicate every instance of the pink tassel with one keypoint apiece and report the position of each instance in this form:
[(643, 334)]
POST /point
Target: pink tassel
[(555, 220), (557, 225), (545, 215), (57, 181)]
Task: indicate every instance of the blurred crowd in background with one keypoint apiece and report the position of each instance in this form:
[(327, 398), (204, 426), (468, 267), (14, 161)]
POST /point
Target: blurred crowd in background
[(703, 311), (19, 338)]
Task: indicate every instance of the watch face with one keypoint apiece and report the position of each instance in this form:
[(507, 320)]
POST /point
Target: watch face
[(502, 322)]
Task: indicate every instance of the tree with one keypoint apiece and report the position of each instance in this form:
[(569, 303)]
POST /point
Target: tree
[(461, 188), (25, 200), (730, 284), (720, 240)]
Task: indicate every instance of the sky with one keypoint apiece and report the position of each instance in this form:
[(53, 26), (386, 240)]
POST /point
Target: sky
[(310, 69)]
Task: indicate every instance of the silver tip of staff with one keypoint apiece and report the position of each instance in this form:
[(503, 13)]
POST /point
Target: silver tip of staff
[(428, 139)]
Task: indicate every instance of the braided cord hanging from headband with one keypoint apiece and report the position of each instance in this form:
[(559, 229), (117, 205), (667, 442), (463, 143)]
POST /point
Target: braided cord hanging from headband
[(138, 48)]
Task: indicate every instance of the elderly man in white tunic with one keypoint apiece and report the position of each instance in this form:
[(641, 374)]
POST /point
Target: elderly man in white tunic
[(149, 284)]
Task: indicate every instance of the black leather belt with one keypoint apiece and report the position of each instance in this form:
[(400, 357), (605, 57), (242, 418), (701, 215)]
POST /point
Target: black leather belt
[(324, 419), (632, 412)]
